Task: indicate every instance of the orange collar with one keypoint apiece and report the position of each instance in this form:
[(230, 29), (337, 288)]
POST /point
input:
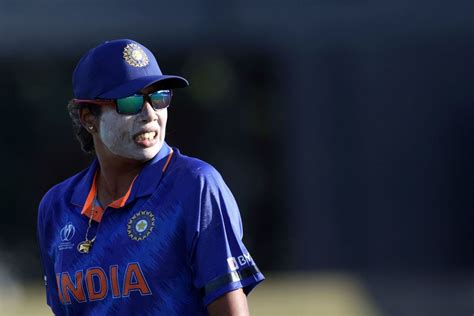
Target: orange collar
[(91, 207)]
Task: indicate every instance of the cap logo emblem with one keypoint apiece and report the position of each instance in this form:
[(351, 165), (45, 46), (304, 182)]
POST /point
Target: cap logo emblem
[(135, 56)]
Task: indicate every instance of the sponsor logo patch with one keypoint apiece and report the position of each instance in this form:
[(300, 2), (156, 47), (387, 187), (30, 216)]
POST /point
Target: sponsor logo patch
[(232, 264)]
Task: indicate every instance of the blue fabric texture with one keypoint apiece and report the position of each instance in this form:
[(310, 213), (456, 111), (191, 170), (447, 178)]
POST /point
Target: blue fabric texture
[(172, 249)]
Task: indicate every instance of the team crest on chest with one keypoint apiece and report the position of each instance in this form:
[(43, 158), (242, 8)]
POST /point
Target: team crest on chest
[(141, 225)]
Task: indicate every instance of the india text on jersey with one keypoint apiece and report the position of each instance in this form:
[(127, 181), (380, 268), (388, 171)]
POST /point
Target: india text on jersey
[(95, 284)]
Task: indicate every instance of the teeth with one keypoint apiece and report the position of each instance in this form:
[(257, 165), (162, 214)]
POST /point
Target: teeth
[(146, 136)]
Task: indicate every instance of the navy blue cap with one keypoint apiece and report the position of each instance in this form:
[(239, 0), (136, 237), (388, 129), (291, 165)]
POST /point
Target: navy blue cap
[(118, 69)]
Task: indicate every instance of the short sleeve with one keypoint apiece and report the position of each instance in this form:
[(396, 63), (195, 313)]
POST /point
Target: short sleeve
[(220, 261), (52, 297)]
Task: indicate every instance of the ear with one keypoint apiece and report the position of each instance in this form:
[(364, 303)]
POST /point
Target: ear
[(88, 120)]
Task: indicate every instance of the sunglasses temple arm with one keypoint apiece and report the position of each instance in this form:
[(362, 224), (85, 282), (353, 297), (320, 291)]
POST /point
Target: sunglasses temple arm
[(97, 102)]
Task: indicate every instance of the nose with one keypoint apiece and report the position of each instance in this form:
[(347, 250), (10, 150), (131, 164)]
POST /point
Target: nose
[(148, 113)]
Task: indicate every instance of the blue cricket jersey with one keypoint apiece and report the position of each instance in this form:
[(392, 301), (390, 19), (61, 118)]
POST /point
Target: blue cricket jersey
[(172, 247)]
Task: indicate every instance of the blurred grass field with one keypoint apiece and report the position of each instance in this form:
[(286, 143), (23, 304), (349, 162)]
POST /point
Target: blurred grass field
[(326, 294)]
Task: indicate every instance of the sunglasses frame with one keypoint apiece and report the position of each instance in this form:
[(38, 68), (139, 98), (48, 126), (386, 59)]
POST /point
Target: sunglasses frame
[(114, 102)]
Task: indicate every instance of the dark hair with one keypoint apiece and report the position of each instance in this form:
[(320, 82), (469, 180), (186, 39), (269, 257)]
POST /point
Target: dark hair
[(82, 135)]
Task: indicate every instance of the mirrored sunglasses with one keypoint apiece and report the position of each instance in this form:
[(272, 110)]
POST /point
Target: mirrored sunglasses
[(133, 104)]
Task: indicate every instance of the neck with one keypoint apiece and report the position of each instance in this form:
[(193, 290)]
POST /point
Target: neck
[(115, 176)]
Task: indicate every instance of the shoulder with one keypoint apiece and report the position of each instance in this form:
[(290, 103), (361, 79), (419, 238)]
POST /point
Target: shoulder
[(60, 191), (205, 192), (197, 180), (195, 170)]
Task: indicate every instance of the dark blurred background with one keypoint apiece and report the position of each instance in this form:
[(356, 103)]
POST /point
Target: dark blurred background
[(344, 128)]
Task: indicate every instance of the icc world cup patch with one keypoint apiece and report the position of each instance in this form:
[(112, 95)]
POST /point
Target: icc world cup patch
[(141, 225)]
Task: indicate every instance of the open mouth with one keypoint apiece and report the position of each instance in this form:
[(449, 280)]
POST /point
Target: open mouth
[(145, 136), (146, 139)]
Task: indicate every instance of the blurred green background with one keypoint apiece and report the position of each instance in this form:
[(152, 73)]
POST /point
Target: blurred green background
[(282, 294)]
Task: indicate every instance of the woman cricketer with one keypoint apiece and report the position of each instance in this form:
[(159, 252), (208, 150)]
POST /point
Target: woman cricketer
[(144, 230)]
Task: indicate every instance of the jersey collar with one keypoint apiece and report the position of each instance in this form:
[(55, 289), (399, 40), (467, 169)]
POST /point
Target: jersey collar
[(150, 176), (144, 184), (92, 207)]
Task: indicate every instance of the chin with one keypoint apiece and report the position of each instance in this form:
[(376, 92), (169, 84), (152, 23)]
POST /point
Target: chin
[(145, 154), (136, 152)]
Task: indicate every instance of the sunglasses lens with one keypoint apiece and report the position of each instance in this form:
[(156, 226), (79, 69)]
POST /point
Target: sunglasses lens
[(130, 105), (134, 104), (160, 99)]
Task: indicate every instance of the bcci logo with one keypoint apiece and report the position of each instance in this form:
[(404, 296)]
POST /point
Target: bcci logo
[(141, 225), (135, 56), (67, 232)]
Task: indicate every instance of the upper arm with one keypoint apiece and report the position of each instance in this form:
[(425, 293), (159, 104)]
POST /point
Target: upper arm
[(52, 297), (218, 258), (232, 303)]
